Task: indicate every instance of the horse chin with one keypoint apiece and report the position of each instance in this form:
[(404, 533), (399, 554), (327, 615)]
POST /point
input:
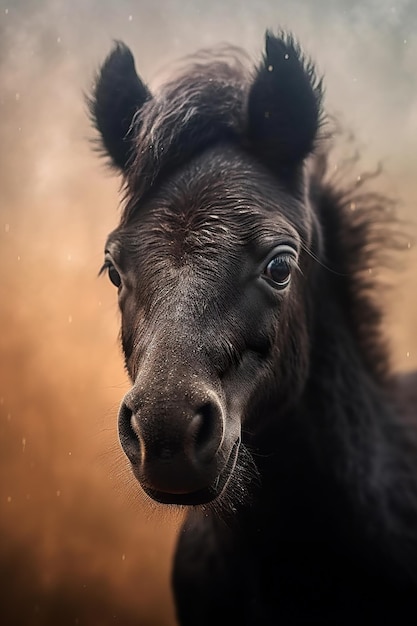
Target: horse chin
[(201, 496)]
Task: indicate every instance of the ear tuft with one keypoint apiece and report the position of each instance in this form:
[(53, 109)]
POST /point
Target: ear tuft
[(284, 106), (117, 96)]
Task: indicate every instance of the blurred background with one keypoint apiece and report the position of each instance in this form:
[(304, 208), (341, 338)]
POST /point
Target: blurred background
[(78, 545)]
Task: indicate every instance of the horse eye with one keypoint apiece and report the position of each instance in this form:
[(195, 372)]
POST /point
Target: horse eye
[(278, 271), (114, 276)]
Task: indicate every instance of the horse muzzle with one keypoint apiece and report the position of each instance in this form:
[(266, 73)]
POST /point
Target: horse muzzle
[(180, 449)]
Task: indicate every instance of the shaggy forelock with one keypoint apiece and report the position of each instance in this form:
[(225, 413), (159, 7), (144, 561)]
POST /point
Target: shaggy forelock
[(204, 103)]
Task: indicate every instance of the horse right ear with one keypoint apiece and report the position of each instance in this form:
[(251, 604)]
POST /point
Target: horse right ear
[(117, 96), (284, 105)]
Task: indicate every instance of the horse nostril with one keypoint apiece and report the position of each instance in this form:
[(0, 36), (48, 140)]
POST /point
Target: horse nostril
[(128, 437), (205, 432)]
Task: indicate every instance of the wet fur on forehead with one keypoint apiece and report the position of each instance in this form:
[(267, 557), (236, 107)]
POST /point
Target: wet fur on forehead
[(204, 103), (200, 200)]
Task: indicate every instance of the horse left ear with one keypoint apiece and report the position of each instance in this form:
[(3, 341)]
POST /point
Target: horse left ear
[(284, 106), (117, 96)]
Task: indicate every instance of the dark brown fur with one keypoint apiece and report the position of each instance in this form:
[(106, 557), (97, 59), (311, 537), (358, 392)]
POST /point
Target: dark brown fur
[(267, 407)]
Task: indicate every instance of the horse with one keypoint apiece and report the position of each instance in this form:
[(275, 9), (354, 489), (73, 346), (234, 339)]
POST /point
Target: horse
[(262, 402)]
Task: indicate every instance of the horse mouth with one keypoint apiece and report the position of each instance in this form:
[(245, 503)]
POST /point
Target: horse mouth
[(202, 496)]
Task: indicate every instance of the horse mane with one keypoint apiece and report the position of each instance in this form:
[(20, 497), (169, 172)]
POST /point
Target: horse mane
[(364, 237)]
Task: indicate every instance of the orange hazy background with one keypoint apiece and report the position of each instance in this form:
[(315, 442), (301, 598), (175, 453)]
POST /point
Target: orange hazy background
[(78, 543)]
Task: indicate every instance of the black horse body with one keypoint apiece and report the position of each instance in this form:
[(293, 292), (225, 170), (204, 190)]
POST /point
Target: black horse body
[(262, 398)]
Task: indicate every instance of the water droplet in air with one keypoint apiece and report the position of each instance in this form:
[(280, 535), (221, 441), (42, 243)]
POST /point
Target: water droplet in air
[(286, 56), (270, 68)]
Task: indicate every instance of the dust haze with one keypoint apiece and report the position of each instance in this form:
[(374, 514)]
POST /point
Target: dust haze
[(78, 544)]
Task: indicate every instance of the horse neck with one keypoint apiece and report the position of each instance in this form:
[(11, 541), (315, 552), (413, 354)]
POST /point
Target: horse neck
[(354, 453), (349, 408)]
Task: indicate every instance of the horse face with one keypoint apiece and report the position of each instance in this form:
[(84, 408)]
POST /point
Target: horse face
[(210, 259), (210, 281)]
